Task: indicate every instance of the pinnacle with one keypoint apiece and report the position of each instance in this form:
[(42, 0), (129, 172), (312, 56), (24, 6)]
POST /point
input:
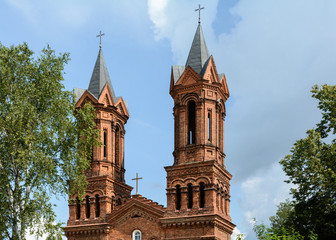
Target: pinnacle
[(198, 53)]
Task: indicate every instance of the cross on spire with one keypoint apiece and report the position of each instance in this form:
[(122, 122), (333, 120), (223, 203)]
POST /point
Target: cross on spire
[(199, 12), (136, 179), (100, 35)]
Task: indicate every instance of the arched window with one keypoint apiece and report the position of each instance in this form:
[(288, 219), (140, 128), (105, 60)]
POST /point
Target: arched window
[(221, 132), (118, 202), (105, 143), (112, 204), (78, 208), (191, 122), (92, 153), (97, 205), (218, 196), (117, 141), (176, 131), (178, 197), (209, 126), (190, 196), (225, 201), (136, 235), (87, 206), (201, 195), (221, 199)]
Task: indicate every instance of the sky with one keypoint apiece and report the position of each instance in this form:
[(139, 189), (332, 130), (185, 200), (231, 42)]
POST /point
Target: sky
[(271, 51)]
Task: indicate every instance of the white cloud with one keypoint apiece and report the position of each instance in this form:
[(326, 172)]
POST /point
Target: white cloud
[(235, 234), (271, 62), (260, 195), (156, 10), (177, 21), (271, 58)]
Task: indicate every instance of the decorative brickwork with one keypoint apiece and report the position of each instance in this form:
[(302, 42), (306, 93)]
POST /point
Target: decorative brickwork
[(198, 184)]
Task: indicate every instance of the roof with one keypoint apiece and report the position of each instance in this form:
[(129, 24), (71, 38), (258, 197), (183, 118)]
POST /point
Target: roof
[(135, 202), (78, 92), (199, 53), (100, 77), (220, 76), (177, 72)]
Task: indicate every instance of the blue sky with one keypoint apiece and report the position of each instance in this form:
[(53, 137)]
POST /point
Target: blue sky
[(272, 52)]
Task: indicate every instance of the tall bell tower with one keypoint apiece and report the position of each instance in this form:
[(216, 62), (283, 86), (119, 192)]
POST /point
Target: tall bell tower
[(198, 184), (106, 182)]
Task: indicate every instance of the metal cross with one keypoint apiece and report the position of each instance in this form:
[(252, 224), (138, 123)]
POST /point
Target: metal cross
[(199, 12), (100, 35), (136, 179)]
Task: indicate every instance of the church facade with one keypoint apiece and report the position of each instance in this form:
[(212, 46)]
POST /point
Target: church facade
[(198, 184)]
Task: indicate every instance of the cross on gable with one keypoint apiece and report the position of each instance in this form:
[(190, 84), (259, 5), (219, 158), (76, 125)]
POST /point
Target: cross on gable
[(136, 179)]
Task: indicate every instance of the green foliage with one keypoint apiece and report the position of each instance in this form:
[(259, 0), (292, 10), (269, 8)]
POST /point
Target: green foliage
[(240, 236), (44, 142), (283, 218), (311, 166), (264, 232)]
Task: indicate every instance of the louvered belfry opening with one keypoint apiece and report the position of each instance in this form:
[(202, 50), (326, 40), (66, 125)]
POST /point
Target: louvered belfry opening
[(191, 122), (178, 197)]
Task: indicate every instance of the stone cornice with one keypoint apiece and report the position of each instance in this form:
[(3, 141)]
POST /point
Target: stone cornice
[(109, 179), (198, 220), (87, 229), (180, 89)]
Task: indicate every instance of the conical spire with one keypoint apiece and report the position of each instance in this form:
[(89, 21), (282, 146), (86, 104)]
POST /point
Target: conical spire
[(100, 77), (199, 53)]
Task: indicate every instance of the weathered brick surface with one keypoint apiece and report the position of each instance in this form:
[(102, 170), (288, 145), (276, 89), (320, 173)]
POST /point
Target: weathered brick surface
[(195, 164)]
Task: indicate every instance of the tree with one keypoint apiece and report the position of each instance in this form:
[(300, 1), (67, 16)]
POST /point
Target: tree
[(45, 143), (311, 166), (264, 232), (283, 218)]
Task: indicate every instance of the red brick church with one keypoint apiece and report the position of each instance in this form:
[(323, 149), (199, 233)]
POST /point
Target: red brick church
[(198, 184)]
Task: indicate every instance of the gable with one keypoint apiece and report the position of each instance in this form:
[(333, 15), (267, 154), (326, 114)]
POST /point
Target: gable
[(138, 210), (86, 97), (106, 96), (121, 107), (210, 72), (135, 214), (224, 85), (188, 77)]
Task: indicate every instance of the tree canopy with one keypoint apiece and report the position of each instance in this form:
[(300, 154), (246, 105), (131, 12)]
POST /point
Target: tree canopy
[(45, 143), (311, 167)]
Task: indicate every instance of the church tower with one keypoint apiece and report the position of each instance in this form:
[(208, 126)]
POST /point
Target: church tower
[(106, 182), (198, 184)]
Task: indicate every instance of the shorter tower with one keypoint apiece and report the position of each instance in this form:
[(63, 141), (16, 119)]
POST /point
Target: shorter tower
[(198, 184), (106, 183)]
